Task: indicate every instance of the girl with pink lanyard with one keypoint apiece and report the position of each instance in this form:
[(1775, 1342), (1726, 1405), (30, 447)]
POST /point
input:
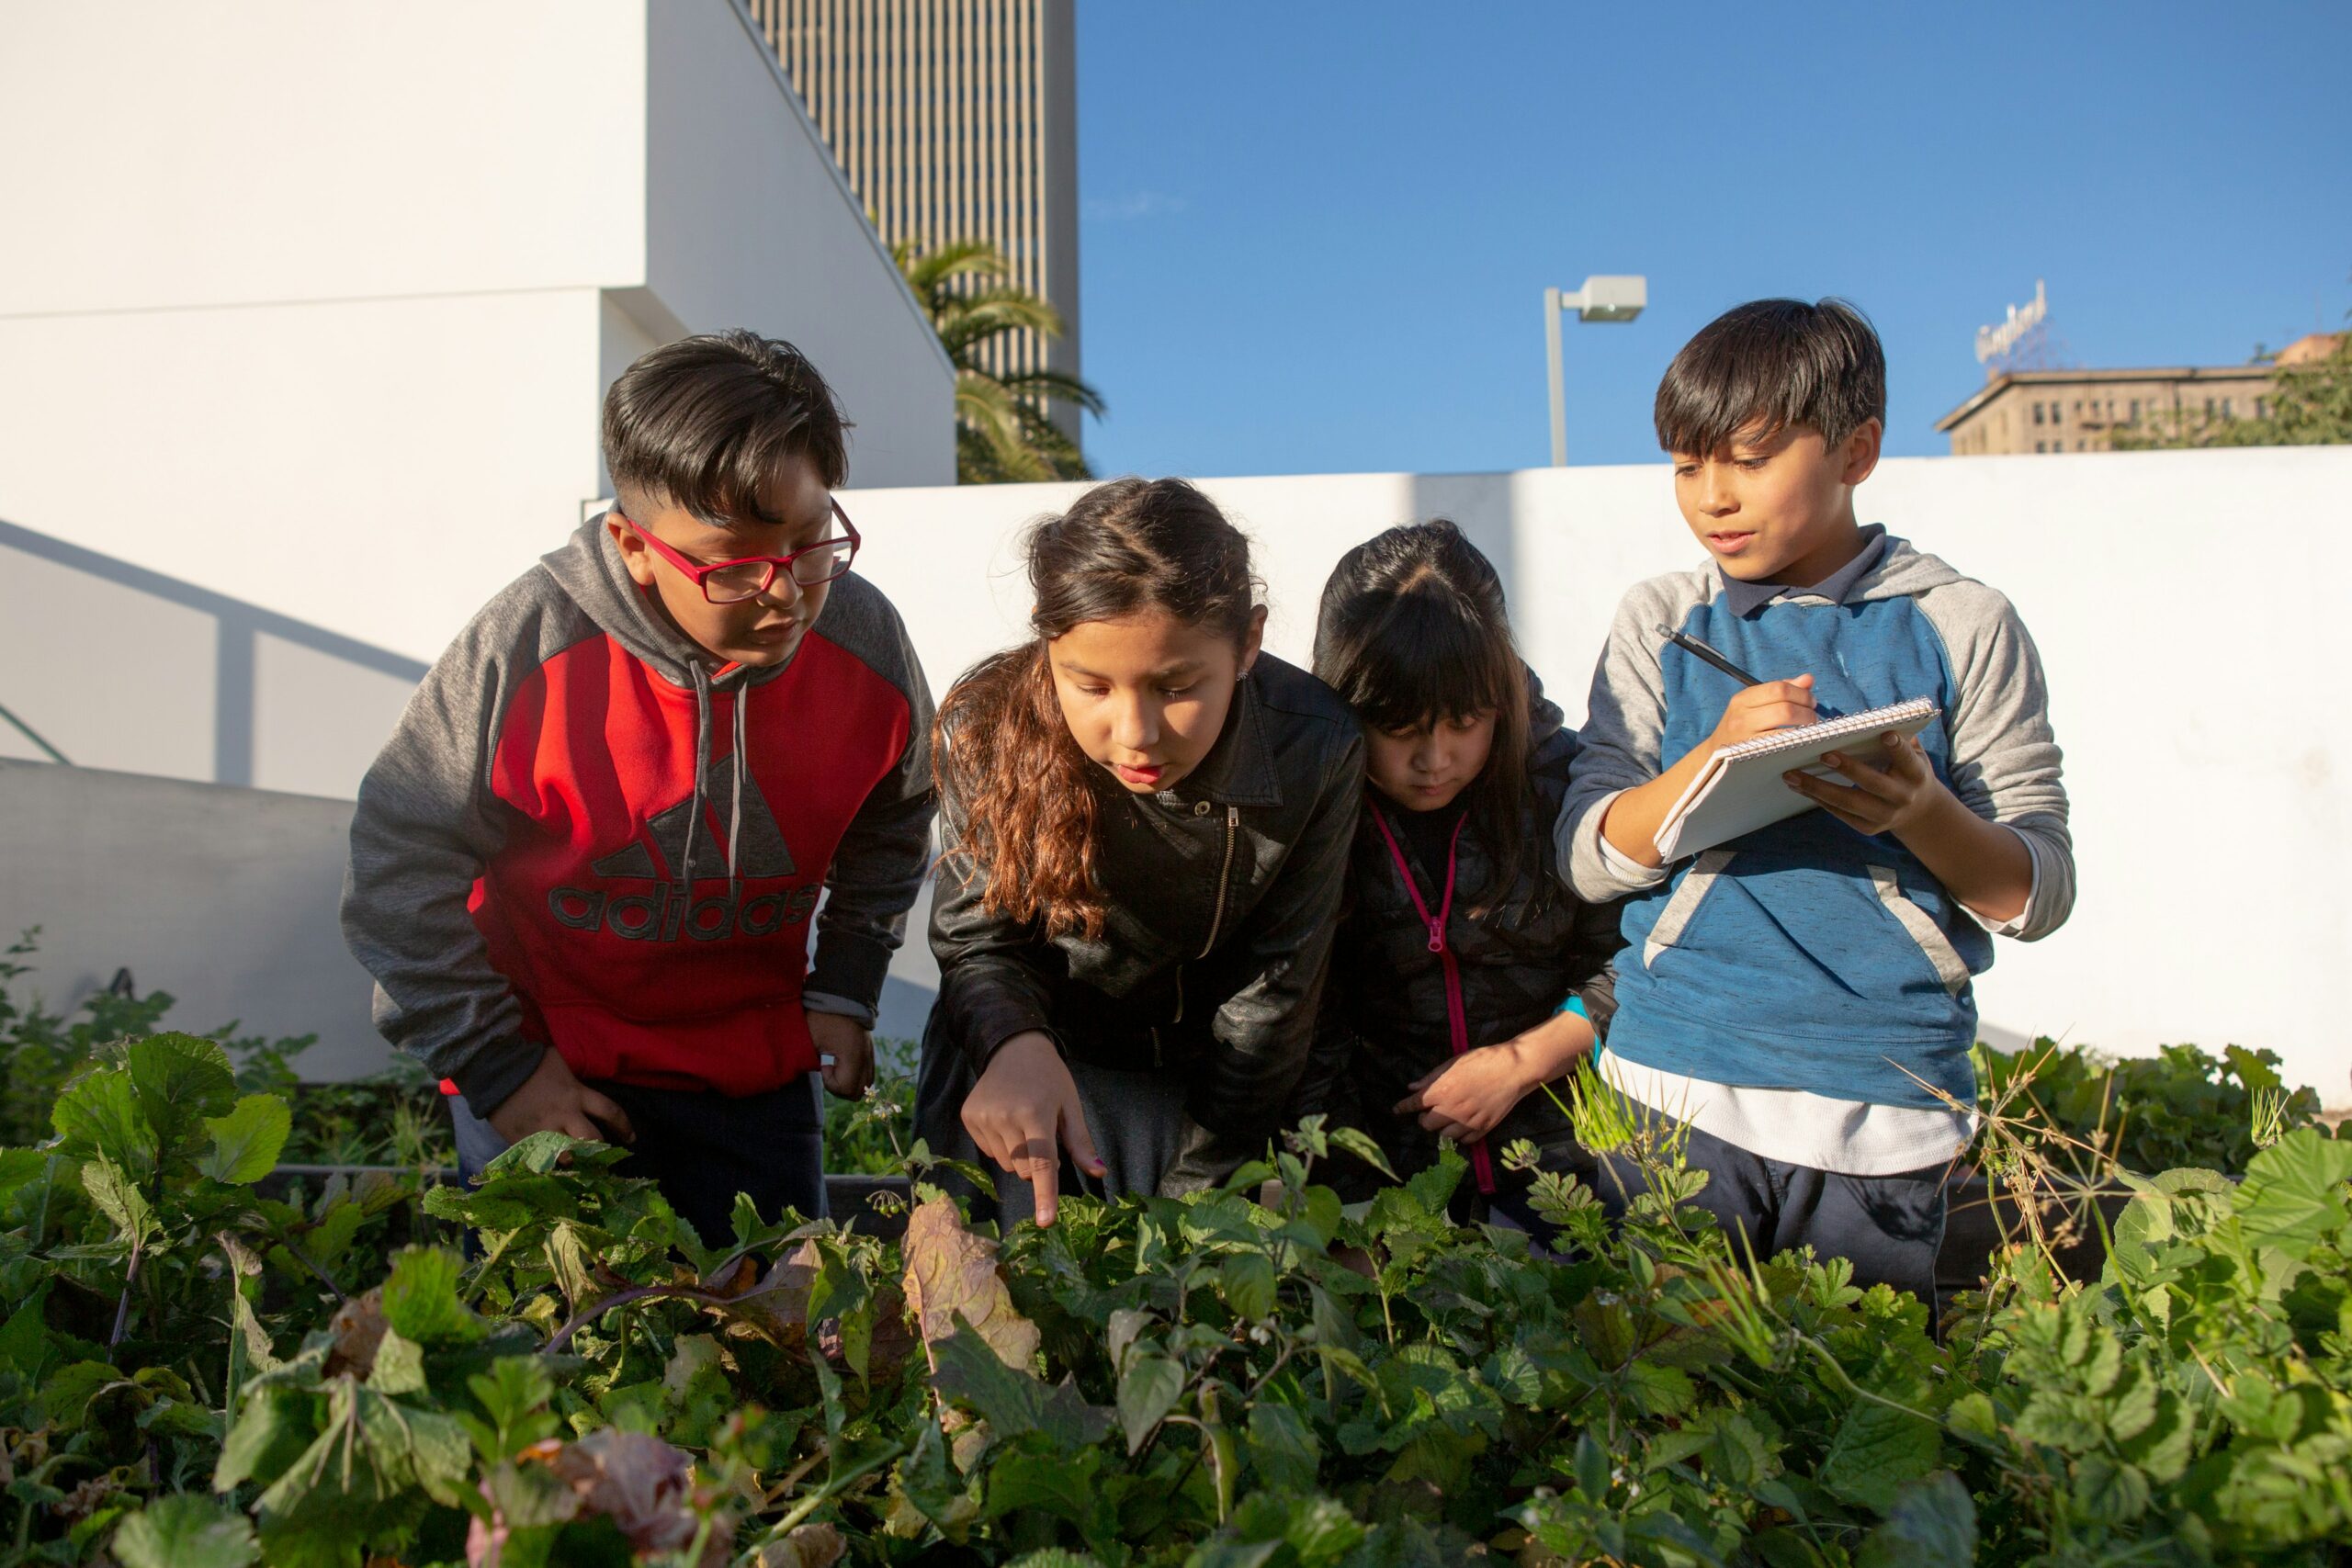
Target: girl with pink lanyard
[(1465, 977)]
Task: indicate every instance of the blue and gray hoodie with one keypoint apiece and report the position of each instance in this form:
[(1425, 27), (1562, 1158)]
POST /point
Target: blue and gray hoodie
[(1805, 955)]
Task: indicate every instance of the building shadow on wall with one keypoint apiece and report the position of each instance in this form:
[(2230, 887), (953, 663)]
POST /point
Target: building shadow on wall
[(238, 628)]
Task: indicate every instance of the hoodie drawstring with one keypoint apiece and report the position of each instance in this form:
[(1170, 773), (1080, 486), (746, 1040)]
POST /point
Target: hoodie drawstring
[(735, 815), (685, 868), (702, 783)]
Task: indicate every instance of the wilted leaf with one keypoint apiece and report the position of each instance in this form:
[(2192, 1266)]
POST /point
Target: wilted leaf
[(188, 1530), (358, 1328), (246, 1142), (640, 1483), (951, 1271), (809, 1546)]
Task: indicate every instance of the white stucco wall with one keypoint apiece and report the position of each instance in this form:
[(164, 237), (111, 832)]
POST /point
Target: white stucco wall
[(289, 278), (2184, 603)]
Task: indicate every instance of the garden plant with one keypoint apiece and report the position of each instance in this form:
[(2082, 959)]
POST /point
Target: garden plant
[(549, 1366)]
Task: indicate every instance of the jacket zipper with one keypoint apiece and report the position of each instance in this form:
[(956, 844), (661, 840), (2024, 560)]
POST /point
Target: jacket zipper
[(1217, 923), (1224, 876), (1457, 1018)]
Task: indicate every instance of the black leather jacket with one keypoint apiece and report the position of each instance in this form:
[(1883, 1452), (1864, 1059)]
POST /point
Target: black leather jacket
[(1384, 1021), (1223, 895)]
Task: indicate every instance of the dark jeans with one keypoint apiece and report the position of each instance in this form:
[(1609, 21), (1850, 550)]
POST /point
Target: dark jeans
[(1888, 1227), (703, 1148)]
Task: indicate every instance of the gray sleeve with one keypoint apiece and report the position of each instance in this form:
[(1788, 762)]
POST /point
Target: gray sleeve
[(424, 826), (885, 852), (1620, 744), (2004, 758)]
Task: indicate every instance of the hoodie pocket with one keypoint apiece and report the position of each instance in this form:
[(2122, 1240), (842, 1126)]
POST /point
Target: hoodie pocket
[(1676, 918), (1933, 946)]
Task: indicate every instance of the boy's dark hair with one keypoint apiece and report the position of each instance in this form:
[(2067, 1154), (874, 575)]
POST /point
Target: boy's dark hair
[(1413, 630), (702, 423), (1769, 365)]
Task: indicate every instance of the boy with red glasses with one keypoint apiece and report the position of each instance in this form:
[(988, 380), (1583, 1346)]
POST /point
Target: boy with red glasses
[(582, 871)]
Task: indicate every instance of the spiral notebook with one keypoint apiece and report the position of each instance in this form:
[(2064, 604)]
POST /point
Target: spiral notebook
[(1741, 789)]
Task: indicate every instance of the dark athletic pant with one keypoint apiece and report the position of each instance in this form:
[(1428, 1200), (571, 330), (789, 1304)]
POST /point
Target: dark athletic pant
[(704, 1148), (1888, 1227)]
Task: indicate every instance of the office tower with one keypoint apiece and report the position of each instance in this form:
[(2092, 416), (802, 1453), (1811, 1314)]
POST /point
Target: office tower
[(954, 119)]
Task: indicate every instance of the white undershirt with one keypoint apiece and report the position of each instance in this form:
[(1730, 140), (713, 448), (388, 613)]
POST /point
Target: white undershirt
[(1795, 1126)]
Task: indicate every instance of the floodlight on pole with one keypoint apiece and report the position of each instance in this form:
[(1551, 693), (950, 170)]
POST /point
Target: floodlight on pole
[(1614, 297)]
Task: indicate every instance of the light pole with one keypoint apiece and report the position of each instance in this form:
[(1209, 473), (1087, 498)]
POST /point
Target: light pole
[(1614, 296)]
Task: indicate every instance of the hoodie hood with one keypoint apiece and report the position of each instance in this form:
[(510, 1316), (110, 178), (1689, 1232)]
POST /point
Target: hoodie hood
[(588, 569), (1903, 572)]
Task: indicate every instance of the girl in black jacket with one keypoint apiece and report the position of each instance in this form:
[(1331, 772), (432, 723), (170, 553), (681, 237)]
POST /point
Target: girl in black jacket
[(1147, 823), (1466, 980)]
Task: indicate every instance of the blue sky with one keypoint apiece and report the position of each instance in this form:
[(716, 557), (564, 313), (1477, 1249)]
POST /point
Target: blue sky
[(1315, 236)]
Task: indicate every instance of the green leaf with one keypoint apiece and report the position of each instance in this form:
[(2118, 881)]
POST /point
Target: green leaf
[(1362, 1145), (421, 1300), (2294, 1193), (1247, 1278), (19, 1169), (189, 1530), (398, 1367), (1149, 1390), (181, 1080), (1932, 1524), (1282, 1446), (1875, 1451), (118, 1196), (246, 1142), (98, 1115)]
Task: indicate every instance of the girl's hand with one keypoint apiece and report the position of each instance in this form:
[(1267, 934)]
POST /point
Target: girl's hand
[(1467, 1098), (1024, 1112)]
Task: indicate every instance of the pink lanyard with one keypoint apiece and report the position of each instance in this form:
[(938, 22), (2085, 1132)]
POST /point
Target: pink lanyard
[(1482, 1163)]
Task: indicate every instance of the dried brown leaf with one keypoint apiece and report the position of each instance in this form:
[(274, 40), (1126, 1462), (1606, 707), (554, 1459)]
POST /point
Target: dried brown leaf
[(951, 1271), (358, 1328), (809, 1546)]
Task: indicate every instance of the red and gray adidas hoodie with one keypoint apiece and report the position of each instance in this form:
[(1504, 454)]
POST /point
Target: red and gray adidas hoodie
[(583, 837)]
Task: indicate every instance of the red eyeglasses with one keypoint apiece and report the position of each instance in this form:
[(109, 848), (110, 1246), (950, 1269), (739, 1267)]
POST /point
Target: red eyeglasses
[(748, 577)]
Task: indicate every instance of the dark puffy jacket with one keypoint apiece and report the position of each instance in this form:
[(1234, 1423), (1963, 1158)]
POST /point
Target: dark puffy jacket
[(1223, 893), (1383, 1021)]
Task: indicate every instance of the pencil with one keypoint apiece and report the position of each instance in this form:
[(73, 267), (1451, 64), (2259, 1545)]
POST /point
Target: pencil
[(1697, 649)]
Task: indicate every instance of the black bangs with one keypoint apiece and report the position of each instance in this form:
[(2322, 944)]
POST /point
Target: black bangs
[(705, 423), (1761, 367), (1429, 655)]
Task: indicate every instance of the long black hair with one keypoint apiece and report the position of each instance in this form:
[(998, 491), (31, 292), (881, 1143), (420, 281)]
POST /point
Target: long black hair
[(1413, 630)]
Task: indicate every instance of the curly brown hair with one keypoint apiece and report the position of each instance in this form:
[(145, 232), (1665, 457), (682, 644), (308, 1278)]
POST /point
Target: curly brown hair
[(1019, 794)]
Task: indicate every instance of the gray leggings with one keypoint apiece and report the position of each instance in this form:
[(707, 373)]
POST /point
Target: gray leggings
[(1137, 1119)]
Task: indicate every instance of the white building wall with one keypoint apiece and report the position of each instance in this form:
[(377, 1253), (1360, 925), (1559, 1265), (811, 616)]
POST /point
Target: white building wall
[(346, 284)]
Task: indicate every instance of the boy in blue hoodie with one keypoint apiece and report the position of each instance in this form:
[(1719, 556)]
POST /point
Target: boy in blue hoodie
[(1801, 996)]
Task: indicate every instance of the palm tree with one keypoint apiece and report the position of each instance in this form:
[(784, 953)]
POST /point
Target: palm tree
[(1002, 434)]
